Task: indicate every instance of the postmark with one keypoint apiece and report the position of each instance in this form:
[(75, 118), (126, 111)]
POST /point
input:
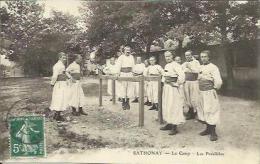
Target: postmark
[(27, 137)]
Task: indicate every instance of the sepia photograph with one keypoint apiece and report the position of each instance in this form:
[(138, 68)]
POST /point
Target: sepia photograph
[(149, 81)]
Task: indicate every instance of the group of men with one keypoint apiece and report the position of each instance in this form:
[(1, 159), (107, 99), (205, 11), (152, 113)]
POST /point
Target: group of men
[(190, 86), (67, 91)]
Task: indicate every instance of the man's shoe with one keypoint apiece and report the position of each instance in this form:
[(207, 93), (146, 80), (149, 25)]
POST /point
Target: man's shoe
[(127, 104), (156, 106), (82, 112), (135, 100), (59, 117), (149, 104), (153, 107), (173, 130), (146, 103), (206, 131), (190, 114), (213, 134), (166, 127), (124, 104), (74, 112), (120, 99)]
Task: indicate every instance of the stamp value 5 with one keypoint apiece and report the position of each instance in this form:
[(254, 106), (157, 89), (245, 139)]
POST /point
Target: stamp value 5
[(27, 136)]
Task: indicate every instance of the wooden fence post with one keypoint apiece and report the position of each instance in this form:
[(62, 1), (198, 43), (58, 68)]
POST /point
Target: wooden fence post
[(114, 91), (100, 91), (141, 101), (160, 117)]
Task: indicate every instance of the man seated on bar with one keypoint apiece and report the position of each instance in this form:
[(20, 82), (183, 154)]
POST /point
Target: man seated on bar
[(111, 69), (138, 70), (153, 70), (125, 63), (146, 83)]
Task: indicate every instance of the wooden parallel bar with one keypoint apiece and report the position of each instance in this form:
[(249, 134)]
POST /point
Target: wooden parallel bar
[(133, 79), (141, 102), (100, 92), (152, 78), (160, 116), (114, 91)]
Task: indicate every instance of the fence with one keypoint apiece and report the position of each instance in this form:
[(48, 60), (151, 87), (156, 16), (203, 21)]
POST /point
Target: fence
[(141, 80)]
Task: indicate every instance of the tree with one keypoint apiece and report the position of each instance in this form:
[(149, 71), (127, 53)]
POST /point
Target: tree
[(111, 24), (22, 26), (231, 21)]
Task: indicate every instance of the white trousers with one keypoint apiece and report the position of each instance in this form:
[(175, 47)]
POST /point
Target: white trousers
[(126, 90), (152, 91), (191, 94), (209, 108), (60, 95), (76, 95), (172, 105)]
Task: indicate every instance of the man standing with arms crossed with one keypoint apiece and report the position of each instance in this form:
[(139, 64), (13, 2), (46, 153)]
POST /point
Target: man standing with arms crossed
[(209, 108), (138, 70), (191, 87), (125, 64)]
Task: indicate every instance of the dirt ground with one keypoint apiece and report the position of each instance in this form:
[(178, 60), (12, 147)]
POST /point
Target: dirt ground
[(110, 127)]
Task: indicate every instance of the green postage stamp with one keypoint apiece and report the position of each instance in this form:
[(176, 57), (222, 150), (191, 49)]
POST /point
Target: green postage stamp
[(27, 137)]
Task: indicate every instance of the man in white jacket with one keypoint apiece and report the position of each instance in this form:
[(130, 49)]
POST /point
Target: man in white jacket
[(209, 108), (125, 63), (191, 68), (138, 70), (76, 94), (59, 78), (153, 70), (172, 99), (111, 69)]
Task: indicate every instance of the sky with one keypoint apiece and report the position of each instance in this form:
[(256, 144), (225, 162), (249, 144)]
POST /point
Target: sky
[(67, 6)]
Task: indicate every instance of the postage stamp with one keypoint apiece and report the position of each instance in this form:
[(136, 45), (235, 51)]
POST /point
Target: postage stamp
[(27, 138)]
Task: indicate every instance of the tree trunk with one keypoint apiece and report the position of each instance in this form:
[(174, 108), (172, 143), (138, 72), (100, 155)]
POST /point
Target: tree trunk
[(229, 65), (180, 49), (148, 48)]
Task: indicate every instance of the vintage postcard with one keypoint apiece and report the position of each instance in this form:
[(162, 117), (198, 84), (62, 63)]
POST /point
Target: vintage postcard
[(152, 81)]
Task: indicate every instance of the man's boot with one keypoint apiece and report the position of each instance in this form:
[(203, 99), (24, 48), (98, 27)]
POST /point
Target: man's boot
[(173, 130), (124, 103), (127, 104), (153, 107), (82, 112), (59, 117), (213, 134), (74, 112), (135, 100), (206, 131), (55, 115), (120, 99), (149, 103), (166, 127), (146, 103), (156, 106), (190, 114)]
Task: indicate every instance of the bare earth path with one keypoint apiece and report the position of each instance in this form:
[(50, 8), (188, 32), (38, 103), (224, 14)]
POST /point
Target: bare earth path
[(111, 127)]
